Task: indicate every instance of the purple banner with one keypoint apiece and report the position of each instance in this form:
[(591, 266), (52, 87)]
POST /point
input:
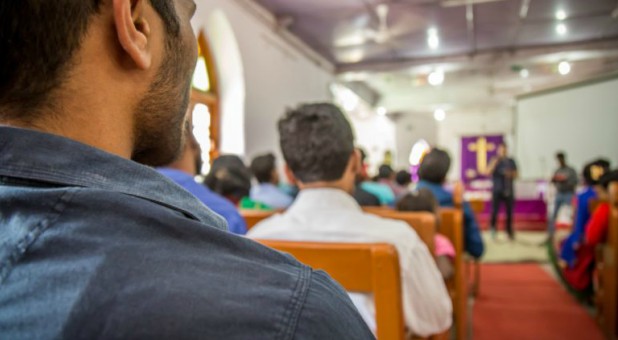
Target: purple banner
[(476, 152)]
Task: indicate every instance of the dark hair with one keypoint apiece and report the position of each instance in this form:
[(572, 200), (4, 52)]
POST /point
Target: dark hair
[(403, 178), (603, 163), (229, 177), (435, 166), (38, 40), (385, 171), (317, 142), (363, 154), (592, 172), (419, 200), (262, 167), (609, 177), (561, 156)]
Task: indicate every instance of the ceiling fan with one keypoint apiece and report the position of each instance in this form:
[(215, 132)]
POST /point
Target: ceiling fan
[(363, 29), (382, 34)]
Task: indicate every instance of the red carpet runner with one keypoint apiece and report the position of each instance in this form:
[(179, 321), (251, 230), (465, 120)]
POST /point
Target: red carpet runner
[(522, 301)]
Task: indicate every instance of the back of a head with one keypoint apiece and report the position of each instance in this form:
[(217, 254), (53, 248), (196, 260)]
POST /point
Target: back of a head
[(262, 167), (435, 166), (561, 157), (421, 200), (317, 142), (229, 176), (385, 172), (403, 178)]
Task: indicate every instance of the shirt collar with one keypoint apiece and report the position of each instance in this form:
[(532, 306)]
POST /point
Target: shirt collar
[(37, 156), (324, 199)]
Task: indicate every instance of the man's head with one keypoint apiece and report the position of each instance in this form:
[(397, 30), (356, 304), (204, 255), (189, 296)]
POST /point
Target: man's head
[(229, 177), (318, 146), (435, 166), (264, 169), (561, 157), (386, 172), (502, 150), (403, 178), (421, 200), (93, 70)]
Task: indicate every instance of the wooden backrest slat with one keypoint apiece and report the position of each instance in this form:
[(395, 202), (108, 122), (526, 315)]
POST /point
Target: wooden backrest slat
[(253, 217), (423, 223), (358, 268), (610, 267)]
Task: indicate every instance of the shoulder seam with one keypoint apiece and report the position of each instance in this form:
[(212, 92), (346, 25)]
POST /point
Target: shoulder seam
[(33, 234), (295, 307)]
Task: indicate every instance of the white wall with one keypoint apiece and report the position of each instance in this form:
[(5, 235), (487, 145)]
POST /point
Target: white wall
[(458, 125), (582, 121), (276, 77), (375, 134), (410, 128)]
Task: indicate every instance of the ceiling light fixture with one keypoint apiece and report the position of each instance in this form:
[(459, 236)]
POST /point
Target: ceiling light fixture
[(433, 40), (439, 115), (561, 29), (564, 68), (382, 111), (561, 15), (524, 73), (436, 78)]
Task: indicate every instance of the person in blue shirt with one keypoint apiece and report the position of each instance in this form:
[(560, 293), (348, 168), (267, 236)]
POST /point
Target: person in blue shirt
[(592, 173), (95, 243), (432, 174), (183, 171), (267, 191)]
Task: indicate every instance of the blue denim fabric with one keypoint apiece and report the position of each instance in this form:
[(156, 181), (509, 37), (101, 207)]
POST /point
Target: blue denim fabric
[(93, 246), (219, 204), (473, 242)]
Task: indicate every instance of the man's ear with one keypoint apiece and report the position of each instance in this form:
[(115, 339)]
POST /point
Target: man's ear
[(355, 162), (133, 31), (289, 175)]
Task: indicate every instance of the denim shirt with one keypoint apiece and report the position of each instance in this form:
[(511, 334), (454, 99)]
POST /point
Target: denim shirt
[(473, 242), (93, 246)]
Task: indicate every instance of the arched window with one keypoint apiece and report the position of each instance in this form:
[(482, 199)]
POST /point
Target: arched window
[(205, 104)]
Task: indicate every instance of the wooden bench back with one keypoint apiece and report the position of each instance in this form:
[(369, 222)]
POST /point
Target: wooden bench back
[(253, 217), (369, 268), (451, 226), (423, 223), (610, 269)]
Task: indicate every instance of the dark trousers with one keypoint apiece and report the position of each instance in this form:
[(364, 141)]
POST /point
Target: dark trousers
[(508, 200)]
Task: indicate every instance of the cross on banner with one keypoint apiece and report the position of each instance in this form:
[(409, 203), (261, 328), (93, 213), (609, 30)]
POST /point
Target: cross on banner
[(475, 153)]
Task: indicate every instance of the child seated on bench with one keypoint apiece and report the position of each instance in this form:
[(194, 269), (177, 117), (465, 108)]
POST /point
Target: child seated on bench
[(423, 200)]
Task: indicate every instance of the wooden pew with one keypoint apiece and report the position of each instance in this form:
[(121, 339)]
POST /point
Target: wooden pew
[(452, 227), (253, 217), (365, 268), (609, 280), (473, 266), (423, 223)]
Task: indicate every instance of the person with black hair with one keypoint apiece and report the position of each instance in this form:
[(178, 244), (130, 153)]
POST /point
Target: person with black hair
[(183, 171), (503, 171), (432, 173), (565, 180), (403, 179), (318, 146), (579, 275), (423, 200), (267, 192), (230, 178), (363, 197), (96, 244), (592, 173)]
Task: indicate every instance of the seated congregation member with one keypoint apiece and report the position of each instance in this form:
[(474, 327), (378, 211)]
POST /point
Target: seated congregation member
[(432, 174), (318, 146), (363, 197), (579, 275), (95, 245), (387, 177), (403, 179), (423, 200), (592, 174), (183, 170), (230, 178), (267, 191)]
